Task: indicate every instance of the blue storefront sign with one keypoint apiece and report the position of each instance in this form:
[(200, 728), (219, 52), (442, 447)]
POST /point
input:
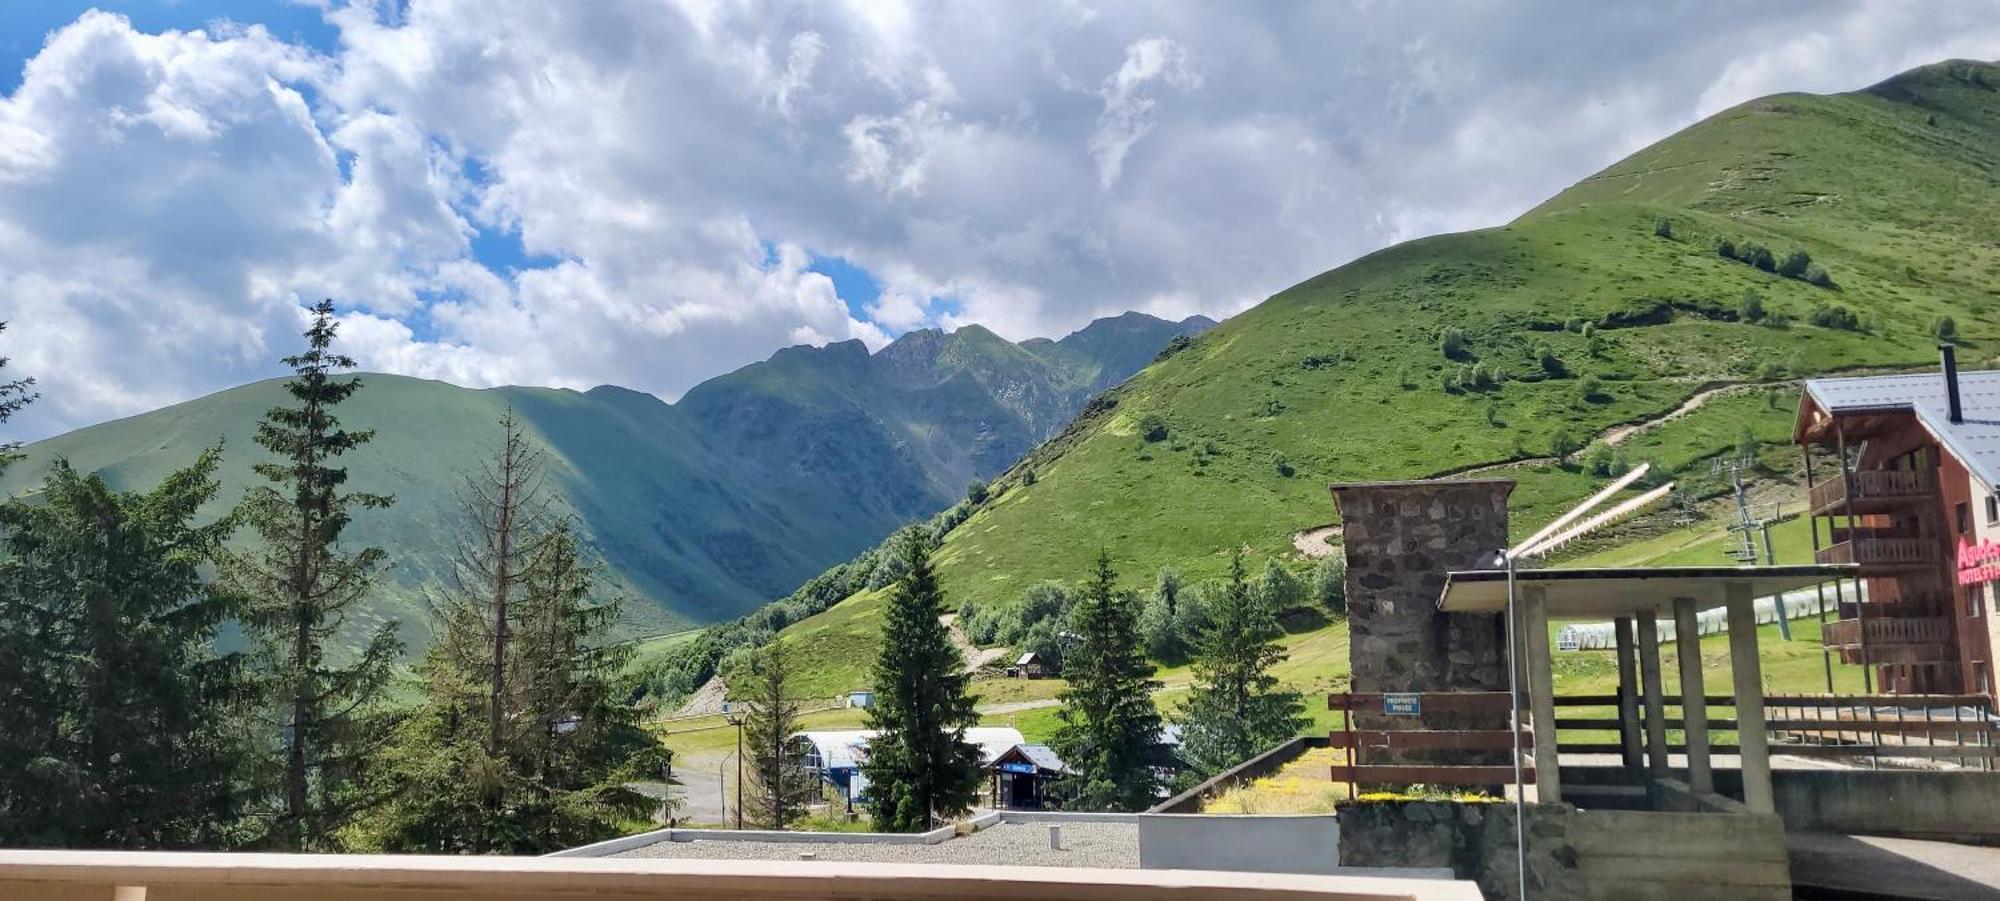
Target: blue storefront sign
[(1402, 705)]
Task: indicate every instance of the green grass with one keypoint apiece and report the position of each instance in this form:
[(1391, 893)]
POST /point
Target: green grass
[(1315, 374), (1340, 376)]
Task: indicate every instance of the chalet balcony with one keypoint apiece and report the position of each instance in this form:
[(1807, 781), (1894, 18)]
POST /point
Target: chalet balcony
[(1873, 491), (1893, 640), (1880, 553)]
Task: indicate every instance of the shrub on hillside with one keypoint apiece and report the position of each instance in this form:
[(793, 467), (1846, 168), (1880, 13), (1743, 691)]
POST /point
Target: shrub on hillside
[(1562, 444), (1817, 275), (1590, 389), (1663, 227), (976, 491), (1945, 329), (1795, 264), (1153, 427), (1329, 585), (1835, 316), (1726, 249), (1751, 307), (1452, 343), (1551, 363), (1282, 465), (1759, 256)]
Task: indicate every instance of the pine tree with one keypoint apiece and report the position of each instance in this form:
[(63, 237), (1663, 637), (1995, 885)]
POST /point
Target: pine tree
[(504, 529), (300, 588), (1110, 728), (523, 743), (780, 786), (14, 395), (121, 726), (919, 764), (1235, 708)]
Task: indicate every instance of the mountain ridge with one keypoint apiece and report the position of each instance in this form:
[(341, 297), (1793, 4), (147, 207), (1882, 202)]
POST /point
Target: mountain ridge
[(701, 509)]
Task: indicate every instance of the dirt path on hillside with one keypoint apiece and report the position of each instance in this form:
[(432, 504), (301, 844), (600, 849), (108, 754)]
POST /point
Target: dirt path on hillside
[(976, 657), (1317, 542), (1019, 706)]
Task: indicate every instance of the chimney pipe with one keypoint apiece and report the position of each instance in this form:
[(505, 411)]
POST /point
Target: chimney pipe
[(1950, 356)]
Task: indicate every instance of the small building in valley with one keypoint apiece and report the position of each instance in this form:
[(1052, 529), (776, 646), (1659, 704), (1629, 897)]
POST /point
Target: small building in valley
[(1023, 776), (1030, 665)]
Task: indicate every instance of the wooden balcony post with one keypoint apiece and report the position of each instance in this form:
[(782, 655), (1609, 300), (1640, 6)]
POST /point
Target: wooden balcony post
[(1656, 707), (1694, 704), (1751, 739)]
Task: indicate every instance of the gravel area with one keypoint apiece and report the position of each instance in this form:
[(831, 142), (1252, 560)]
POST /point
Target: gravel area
[(1110, 845)]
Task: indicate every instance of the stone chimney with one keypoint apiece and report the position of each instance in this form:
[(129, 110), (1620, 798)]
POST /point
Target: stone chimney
[(1400, 539)]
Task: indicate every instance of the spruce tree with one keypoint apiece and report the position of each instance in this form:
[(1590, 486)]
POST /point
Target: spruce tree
[(919, 764), (121, 726), (300, 587), (14, 395), (780, 786), (523, 743), (1235, 708), (1110, 728)]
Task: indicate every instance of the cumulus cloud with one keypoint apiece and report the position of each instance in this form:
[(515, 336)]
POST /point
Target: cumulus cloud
[(666, 172)]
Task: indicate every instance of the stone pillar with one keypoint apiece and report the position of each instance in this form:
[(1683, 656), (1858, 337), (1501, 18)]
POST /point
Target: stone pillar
[(1401, 538), (1694, 703)]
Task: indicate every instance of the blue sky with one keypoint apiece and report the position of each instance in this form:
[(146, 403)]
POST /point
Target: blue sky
[(702, 184)]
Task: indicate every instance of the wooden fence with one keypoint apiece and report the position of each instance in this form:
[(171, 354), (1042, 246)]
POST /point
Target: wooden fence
[(1874, 728)]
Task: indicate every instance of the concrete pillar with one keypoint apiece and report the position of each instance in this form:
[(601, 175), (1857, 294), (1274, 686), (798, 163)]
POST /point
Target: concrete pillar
[(1628, 696), (1534, 626), (1750, 734), (1694, 704), (1656, 706)]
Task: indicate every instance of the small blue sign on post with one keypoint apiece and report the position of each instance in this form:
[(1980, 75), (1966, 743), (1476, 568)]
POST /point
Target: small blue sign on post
[(1402, 705)]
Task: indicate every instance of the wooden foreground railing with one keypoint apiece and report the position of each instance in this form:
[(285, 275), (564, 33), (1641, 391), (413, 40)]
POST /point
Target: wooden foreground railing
[(170, 876)]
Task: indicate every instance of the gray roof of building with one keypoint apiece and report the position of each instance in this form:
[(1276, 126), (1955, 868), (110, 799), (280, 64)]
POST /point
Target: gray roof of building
[(1974, 441), (1042, 756)]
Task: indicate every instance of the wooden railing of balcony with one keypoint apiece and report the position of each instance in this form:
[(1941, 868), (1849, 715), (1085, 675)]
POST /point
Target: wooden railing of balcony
[(1887, 630), (1873, 485), (1868, 551)]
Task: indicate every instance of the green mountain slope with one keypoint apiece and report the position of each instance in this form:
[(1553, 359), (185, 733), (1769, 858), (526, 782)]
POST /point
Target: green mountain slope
[(1894, 191), (703, 509)]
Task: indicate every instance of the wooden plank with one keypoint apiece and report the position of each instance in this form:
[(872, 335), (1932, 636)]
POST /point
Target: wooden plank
[(1428, 740), (1430, 775), (1611, 725), (1593, 747)]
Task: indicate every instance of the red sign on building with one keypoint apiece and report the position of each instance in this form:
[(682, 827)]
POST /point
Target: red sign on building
[(1978, 563)]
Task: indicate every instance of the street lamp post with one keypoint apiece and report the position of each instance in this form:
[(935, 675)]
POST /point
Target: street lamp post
[(737, 721)]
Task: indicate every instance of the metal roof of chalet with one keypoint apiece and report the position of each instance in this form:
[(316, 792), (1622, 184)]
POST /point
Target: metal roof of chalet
[(1618, 591), (1975, 441)]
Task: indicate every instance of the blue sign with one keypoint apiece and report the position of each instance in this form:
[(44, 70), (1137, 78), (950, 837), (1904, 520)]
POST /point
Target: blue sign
[(1012, 767), (1402, 705)]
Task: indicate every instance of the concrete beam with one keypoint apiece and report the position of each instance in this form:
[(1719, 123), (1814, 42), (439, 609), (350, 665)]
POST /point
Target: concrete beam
[(1541, 695), (1628, 696), (1694, 704), (1656, 705), (1750, 735)]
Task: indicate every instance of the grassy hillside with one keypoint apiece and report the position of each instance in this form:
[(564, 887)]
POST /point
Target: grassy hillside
[(1892, 190), (1230, 442), (700, 510)]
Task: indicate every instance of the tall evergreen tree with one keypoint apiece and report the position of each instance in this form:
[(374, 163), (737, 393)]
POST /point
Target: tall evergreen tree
[(1235, 708), (780, 786), (300, 587), (524, 743), (14, 394), (919, 764), (1110, 729), (120, 727)]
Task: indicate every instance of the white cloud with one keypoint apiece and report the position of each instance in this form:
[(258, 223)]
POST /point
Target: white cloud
[(168, 200)]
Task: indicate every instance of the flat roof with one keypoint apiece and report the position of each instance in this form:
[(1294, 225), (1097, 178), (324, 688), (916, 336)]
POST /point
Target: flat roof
[(1616, 591)]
